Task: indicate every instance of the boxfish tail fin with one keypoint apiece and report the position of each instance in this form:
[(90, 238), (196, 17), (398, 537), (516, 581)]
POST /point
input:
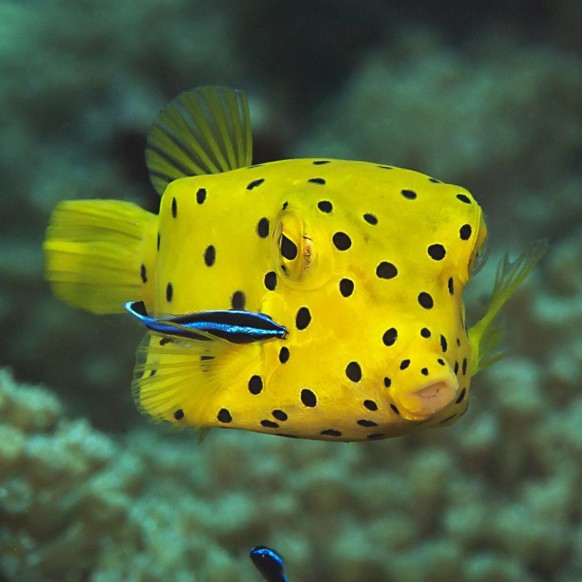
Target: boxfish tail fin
[(486, 336), (175, 379), (100, 254)]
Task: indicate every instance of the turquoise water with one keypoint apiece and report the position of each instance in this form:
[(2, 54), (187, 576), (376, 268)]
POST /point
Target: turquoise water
[(487, 97)]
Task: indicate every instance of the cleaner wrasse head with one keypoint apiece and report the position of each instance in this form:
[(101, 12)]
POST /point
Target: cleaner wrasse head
[(313, 298)]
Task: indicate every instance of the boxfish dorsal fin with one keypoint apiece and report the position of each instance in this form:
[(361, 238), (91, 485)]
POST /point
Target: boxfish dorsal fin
[(204, 131)]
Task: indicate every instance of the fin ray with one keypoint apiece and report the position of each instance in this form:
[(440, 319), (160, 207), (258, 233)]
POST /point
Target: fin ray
[(486, 335), (94, 250), (204, 131), (173, 379)]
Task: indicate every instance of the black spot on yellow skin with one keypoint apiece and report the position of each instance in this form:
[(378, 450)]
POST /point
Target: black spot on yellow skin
[(409, 194), (271, 280), (354, 371), (269, 424), (451, 286), (370, 218), (465, 232), (444, 344), (255, 385), (317, 181), (424, 371), (385, 167), (280, 415), (143, 274), (464, 366), (441, 362), (404, 364), (284, 355), (210, 256), (437, 252), (158, 242), (303, 318), (179, 414), (461, 396), (238, 300), (464, 198), (331, 432), (456, 368), (255, 183), (390, 336), (288, 248), (169, 292), (395, 409), (434, 181), (166, 340), (367, 423), (263, 228), (320, 162), (375, 436), (325, 206), (425, 332), (201, 195), (346, 287), (174, 208), (370, 405), (387, 382), (425, 300), (386, 270), (308, 398), (224, 416), (341, 241)]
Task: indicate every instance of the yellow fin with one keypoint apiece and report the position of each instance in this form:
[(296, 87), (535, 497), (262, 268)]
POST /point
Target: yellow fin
[(204, 131), (97, 254), (486, 335), (174, 378)]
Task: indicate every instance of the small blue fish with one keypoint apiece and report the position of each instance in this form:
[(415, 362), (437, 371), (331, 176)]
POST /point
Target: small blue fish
[(269, 563), (237, 327)]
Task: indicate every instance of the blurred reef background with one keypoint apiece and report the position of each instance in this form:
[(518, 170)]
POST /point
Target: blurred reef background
[(484, 94)]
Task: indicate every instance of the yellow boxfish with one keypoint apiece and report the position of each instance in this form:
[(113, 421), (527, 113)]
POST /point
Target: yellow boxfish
[(312, 298)]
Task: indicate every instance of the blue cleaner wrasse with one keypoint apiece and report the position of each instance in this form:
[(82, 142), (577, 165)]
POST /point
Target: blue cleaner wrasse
[(269, 563)]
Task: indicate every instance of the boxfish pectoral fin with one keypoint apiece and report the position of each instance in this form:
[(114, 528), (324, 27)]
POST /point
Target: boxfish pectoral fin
[(204, 131), (239, 327), (486, 335), (174, 377), (269, 563)]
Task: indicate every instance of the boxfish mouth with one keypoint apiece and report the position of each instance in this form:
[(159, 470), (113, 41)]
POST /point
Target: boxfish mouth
[(429, 399)]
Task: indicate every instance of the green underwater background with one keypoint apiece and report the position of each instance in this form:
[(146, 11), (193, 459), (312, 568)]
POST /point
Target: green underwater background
[(483, 94)]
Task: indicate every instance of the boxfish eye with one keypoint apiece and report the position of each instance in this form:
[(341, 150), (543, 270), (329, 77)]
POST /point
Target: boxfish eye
[(294, 247)]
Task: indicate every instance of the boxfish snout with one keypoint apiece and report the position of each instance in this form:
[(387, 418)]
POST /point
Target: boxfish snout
[(422, 395)]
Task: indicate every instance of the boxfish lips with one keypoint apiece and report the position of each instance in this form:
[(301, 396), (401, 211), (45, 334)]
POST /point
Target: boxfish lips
[(425, 399)]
